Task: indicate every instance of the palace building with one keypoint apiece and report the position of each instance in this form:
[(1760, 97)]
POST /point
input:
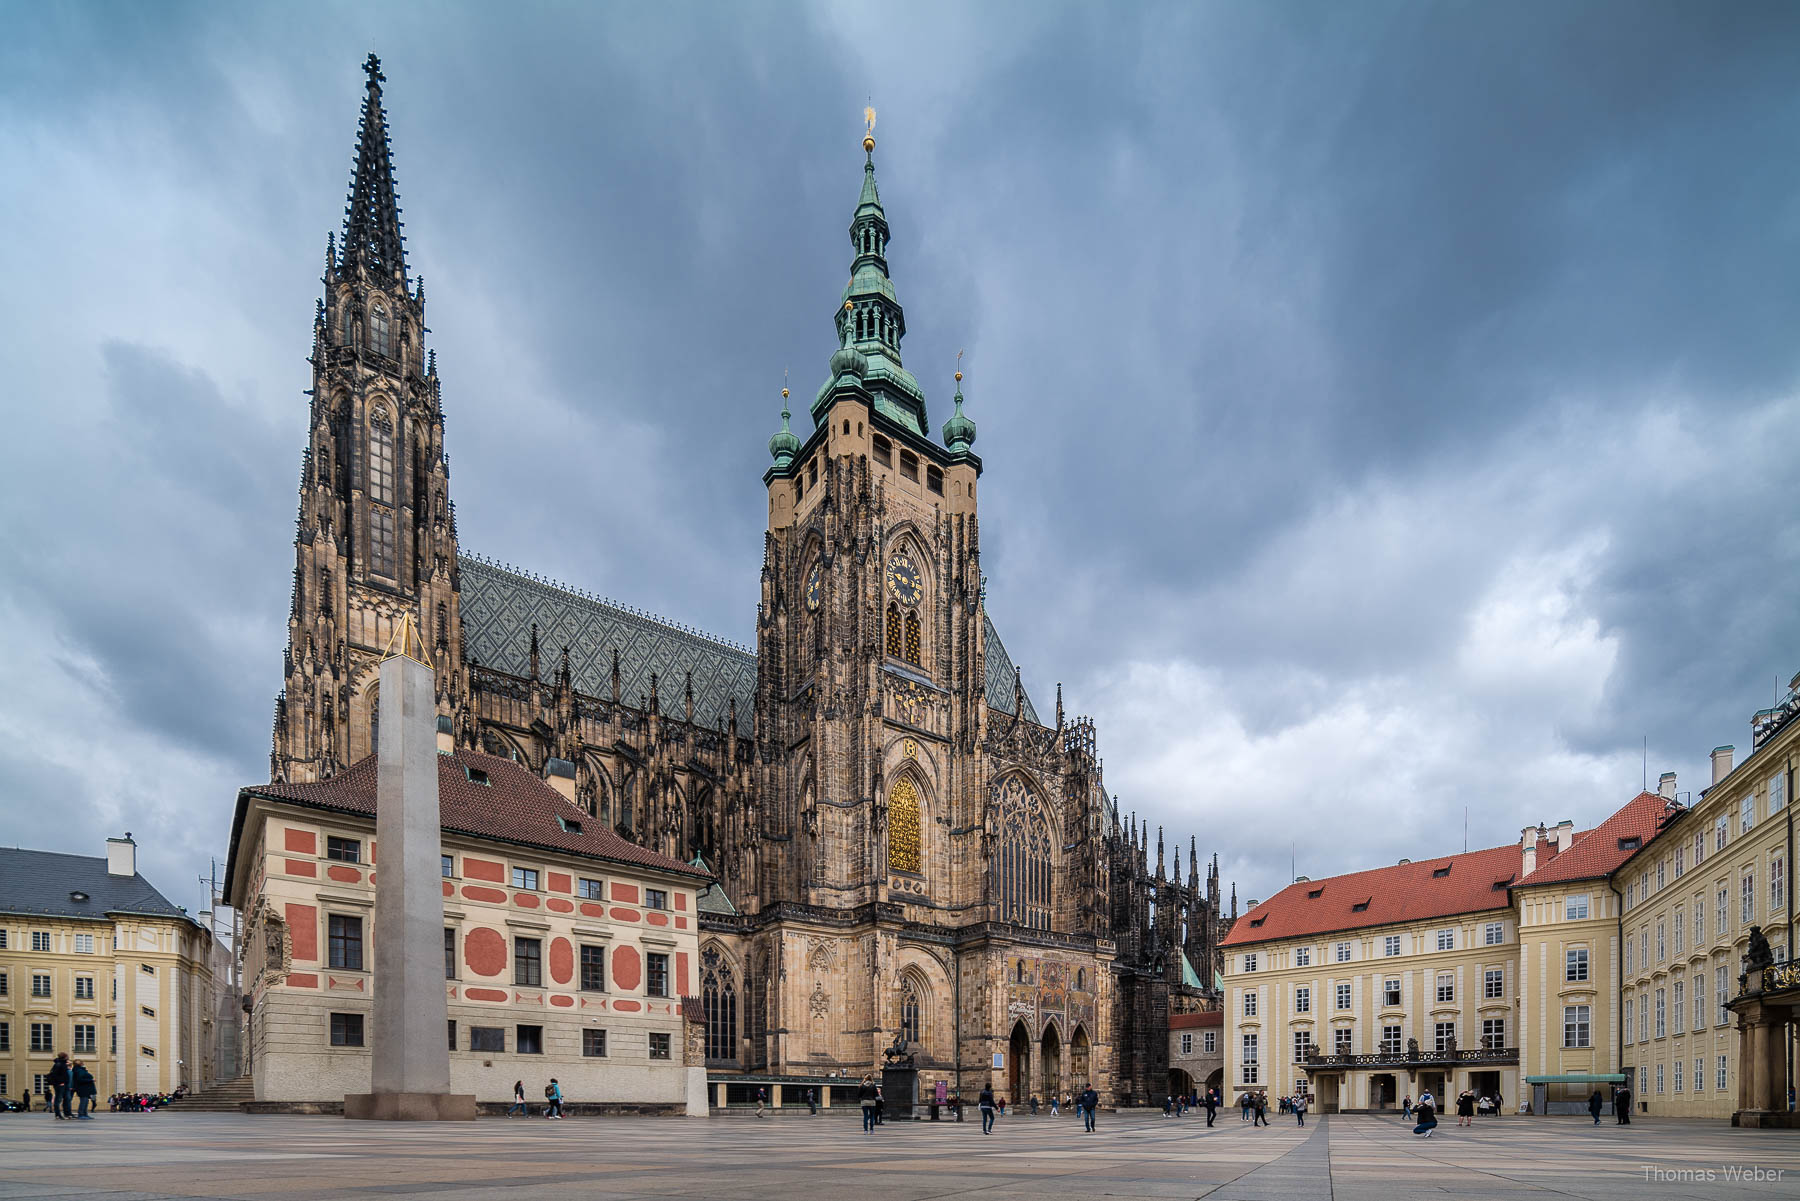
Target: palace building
[(903, 842)]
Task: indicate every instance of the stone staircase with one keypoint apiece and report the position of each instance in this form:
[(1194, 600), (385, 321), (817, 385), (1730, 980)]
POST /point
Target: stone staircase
[(220, 1098)]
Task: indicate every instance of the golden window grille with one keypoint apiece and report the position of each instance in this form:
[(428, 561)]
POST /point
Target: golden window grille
[(903, 827), (895, 637), (913, 654)]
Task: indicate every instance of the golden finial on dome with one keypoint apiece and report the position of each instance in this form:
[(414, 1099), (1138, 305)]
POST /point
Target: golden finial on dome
[(959, 355), (868, 131)]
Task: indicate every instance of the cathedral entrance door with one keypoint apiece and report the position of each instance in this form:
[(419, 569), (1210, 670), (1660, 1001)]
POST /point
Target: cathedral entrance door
[(1050, 1061), (1078, 1060), (1018, 1065)]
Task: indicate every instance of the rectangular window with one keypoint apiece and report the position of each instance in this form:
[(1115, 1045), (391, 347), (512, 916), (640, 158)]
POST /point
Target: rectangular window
[(43, 1036), (447, 866), (591, 890), (40, 984), (1390, 1040), (656, 975), (934, 479), (1699, 998), (1747, 912), (1722, 911), (1493, 983), (1390, 945), (1629, 952), (1209, 1042), (1343, 952), (1720, 827), (528, 1040), (593, 1044), (1303, 1000), (1252, 1050), (1680, 941), (146, 969), (1494, 933), (346, 1029), (344, 850), (1719, 1075), (449, 952), (1342, 1042), (1678, 1067), (1680, 860), (1746, 813), (451, 1044), (659, 1046), (1679, 989), (1446, 987), (1249, 1004), (1250, 963), (1187, 1044), (1662, 941), (381, 540), (5, 1039), (1302, 956), (884, 452), (1343, 996), (1303, 1045), (1777, 881), (1493, 1034), (40, 940), (1662, 1012), (84, 988), (1699, 922), (528, 961), (909, 465), (1575, 964), (487, 1038), (1390, 991), (1699, 1073), (1576, 908), (593, 968), (1644, 1018), (655, 898), (525, 878), (84, 944), (1630, 1018), (1659, 1079), (1662, 872), (344, 943), (146, 1011), (1644, 949), (1446, 940), (1699, 847), (1575, 1026), (2, 948), (1443, 1035), (1720, 996), (1777, 792), (84, 1038)]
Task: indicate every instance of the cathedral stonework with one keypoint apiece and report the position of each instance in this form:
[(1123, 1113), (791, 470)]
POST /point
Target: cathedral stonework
[(903, 844)]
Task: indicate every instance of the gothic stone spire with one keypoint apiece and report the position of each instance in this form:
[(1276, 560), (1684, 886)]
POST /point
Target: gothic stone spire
[(372, 236)]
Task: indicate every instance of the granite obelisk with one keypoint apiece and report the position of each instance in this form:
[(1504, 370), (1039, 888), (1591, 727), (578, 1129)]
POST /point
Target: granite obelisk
[(410, 1069)]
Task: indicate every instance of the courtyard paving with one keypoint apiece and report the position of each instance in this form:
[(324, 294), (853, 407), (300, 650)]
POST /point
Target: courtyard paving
[(172, 1155)]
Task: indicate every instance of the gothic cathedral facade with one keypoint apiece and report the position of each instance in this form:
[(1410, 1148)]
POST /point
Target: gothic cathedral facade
[(903, 845)]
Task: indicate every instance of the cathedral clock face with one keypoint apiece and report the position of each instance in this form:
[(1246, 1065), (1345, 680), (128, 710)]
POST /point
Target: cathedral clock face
[(903, 580), (813, 579)]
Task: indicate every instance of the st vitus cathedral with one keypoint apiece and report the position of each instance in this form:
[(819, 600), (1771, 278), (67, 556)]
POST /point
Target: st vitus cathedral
[(903, 844)]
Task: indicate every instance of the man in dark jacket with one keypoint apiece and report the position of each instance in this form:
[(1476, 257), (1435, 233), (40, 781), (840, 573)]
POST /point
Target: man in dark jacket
[(1090, 1101), (1622, 1106), (58, 1082), (1595, 1105), (1212, 1105), (869, 1095), (985, 1102), (82, 1082)]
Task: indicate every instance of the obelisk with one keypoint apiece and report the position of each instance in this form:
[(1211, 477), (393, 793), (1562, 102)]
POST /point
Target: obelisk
[(410, 1068)]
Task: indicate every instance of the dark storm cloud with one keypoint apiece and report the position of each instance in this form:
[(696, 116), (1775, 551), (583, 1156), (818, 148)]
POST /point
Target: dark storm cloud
[(1384, 407)]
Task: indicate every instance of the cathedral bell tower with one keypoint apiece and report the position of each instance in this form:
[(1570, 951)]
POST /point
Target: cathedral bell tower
[(870, 669), (375, 539)]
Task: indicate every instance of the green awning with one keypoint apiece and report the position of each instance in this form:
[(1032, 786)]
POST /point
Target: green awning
[(1579, 1078)]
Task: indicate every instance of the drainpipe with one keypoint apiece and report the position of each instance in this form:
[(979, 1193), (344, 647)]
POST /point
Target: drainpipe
[(1789, 865), (956, 1024), (1618, 979)]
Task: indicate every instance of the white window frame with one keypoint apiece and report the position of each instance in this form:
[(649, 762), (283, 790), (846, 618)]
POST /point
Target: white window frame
[(1390, 945), (1303, 999), (1343, 952), (1575, 965), (1446, 939), (1343, 996), (1495, 934), (1578, 1027), (1576, 907)]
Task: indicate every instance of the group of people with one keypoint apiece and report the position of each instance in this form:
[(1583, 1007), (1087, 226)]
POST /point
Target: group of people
[(553, 1101), (1427, 1108), (69, 1078)]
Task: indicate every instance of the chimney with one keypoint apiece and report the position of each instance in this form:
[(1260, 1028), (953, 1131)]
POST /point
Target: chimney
[(121, 856), (1528, 848), (1565, 835), (1721, 757), (1403, 863), (1253, 904), (1665, 785), (446, 736), (561, 775)]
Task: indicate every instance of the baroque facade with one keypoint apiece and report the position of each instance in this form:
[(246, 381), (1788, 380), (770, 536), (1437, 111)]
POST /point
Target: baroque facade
[(904, 843)]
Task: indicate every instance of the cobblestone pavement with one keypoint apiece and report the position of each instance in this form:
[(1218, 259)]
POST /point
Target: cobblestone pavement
[(169, 1155)]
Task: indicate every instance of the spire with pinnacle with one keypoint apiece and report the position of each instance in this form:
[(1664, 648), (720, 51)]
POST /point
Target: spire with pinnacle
[(372, 224)]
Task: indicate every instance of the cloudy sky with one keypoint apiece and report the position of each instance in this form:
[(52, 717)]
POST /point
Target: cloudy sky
[(1387, 409)]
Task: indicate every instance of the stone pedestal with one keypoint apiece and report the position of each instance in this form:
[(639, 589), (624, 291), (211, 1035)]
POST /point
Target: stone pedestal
[(899, 1091), (410, 1063)]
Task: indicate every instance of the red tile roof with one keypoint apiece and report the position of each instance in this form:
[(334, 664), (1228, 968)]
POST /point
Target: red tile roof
[(513, 806), (1189, 1021), (1597, 853), (1382, 896)]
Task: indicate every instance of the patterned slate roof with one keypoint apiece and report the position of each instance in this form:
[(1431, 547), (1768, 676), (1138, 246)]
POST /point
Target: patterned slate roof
[(514, 806), (41, 883), (500, 605)]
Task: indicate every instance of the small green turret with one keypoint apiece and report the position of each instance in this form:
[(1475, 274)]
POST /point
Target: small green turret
[(785, 444), (959, 431)]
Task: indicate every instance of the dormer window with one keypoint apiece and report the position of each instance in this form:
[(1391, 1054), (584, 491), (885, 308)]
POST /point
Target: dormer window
[(569, 825), (476, 776), (1440, 872), (1316, 893)]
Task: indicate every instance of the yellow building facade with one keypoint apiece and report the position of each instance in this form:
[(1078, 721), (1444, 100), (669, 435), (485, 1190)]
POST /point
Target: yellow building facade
[(97, 964)]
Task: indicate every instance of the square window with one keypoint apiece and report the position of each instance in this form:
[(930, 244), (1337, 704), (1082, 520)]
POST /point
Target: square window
[(1494, 933), (656, 974), (529, 1040), (591, 890), (1493, 1034), (1343, 952), (1576, 908), (346, 1029), (1302, 956), (344, 850), (40, 940), (593, 1044), (655, 898), (528, 961), (659, 1046), (43, 1036), (344, 942), (84, 944), (1249, 963), (1390, 1040), (84, 988), (1446, 940), (593, 968), (1390, 945), (487, 1038), (40, 984), (525, 878)]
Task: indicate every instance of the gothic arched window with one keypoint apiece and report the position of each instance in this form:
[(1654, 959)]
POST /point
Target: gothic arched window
[(381, 494), (443, 625), (378, 329), (1022, 863), (718, 1003), (896, 634), (911, 1012), (903, 826), (914, 651)]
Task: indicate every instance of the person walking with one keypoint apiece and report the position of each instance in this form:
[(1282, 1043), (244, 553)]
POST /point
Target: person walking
[(553, 1094), (1465, 1108), (1244, 1104), (812, 1102), (1259, 1106), (1406, 1107), (985, 1102), (1299, 1108), (1090, 1101), (1427, 1115), (1212, 1105), (1622, 1106), (58, 1083), (867, 1093), (82, 1082), (1055, 1106), (1595, 1105), (762, 1097), (518, 1105)]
